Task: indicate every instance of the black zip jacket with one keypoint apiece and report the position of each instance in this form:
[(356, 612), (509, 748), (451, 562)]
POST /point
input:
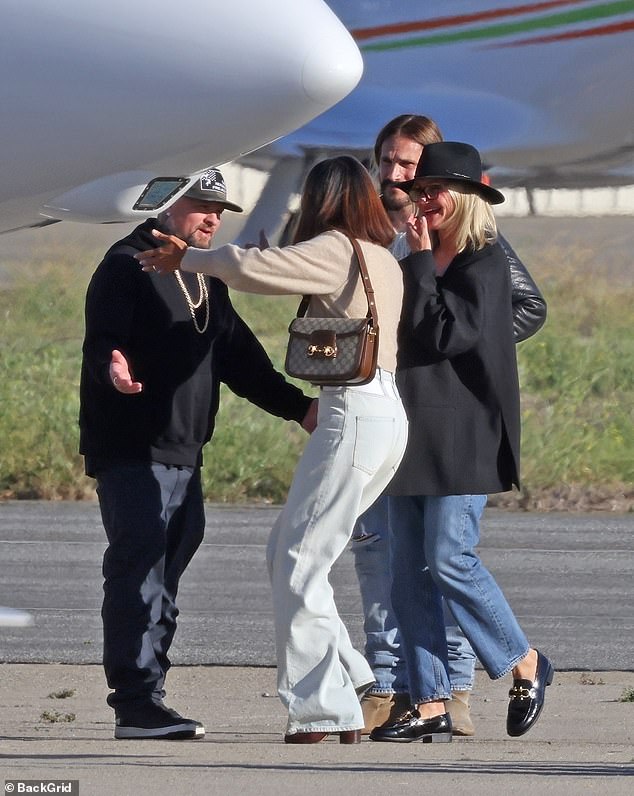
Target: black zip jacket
[(146, 317)]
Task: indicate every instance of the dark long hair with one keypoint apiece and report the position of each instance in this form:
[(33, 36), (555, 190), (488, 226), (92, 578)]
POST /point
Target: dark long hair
[(339, 194)]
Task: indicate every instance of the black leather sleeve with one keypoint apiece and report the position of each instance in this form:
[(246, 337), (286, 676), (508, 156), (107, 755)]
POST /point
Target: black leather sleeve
[(529, 306)]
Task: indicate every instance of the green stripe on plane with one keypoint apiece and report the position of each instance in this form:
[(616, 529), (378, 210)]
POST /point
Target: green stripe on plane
[(546, 22)]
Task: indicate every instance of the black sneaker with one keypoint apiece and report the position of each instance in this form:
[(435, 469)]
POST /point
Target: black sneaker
[(154, 720)]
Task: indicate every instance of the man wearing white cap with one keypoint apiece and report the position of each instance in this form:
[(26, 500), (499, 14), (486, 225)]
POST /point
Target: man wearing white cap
[(155, 352)]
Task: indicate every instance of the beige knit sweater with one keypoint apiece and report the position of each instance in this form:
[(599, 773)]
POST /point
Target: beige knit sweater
[(322, 267)]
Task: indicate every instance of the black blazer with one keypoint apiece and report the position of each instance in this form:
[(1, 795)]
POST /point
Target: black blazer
[(457, 375)]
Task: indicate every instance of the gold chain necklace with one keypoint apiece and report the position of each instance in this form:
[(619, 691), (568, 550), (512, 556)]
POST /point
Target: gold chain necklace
[(203, 297)]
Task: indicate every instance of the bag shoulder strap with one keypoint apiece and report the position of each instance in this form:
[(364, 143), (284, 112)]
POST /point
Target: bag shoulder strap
[(365, 281)]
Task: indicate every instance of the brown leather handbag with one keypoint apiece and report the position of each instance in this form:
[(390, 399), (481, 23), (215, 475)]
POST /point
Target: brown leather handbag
[(335, 351)]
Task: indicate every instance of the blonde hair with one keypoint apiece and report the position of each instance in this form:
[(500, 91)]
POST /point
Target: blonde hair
[(471, 223)]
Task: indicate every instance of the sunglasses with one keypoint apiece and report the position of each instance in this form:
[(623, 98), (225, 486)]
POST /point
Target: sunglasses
[(429, 192)]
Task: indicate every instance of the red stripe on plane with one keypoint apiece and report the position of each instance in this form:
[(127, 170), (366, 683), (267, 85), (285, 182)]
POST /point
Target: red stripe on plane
[(602, 30), (461, 19)]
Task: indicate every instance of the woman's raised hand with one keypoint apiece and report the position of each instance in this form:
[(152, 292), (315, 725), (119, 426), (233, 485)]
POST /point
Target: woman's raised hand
[(417, 233), (165, 258)]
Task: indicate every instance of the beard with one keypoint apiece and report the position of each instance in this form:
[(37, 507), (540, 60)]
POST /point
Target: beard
[(197, 239), (200, 239), (393, 198)]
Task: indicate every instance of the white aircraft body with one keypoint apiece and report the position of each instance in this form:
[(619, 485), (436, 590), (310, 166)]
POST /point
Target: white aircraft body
[(100, 99), (544, 89)]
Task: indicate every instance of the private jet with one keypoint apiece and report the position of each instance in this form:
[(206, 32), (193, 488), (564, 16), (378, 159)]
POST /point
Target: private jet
[(110, 109)]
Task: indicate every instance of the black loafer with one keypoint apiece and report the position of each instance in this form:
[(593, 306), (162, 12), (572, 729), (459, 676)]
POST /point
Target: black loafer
[(527, 698), (411, 727)]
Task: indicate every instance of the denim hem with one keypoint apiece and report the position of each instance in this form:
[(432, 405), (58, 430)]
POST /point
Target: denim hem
[(423, 701), (511, 665), (322, 728)]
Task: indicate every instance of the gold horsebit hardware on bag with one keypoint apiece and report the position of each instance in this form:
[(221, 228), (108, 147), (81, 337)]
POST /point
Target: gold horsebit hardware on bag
[(322, 351)]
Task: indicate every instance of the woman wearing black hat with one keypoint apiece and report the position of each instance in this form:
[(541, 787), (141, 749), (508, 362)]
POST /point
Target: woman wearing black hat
[(458, 380)]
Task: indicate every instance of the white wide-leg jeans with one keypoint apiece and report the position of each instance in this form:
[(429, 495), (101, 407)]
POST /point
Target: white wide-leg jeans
[(349, 460)]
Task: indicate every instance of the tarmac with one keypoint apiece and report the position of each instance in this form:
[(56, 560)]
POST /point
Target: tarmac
[(55, 726), (583, 742)]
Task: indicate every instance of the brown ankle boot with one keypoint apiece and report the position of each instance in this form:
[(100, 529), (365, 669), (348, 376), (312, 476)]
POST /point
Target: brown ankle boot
[(380, 709), (458, 709)]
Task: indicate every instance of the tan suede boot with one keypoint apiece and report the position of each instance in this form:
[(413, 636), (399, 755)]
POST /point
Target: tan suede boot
[(380, 709), (458, 709)]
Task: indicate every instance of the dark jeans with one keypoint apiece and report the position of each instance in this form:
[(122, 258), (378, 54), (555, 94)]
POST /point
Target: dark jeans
[(154, 520)]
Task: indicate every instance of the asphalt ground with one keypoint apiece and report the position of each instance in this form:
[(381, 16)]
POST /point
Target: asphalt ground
[(568, 577)]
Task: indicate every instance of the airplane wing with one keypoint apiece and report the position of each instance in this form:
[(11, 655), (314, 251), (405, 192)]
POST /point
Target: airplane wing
[(543, 89), (99, 99)]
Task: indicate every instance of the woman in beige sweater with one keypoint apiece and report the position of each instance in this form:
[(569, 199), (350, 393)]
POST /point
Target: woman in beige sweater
[(352, 454)]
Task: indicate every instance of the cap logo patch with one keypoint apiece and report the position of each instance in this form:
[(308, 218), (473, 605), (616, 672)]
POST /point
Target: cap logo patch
[(212, 181), (210, 187)]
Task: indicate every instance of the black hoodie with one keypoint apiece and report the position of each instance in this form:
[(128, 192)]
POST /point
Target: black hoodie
[(146, 317)]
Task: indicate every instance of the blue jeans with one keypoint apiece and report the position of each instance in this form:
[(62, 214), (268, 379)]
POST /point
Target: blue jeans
[(154, 520), (349, 460), (432, 548), (370, 546)]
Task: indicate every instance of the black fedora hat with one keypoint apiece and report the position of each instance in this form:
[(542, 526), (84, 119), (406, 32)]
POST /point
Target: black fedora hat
[(452, 161)]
